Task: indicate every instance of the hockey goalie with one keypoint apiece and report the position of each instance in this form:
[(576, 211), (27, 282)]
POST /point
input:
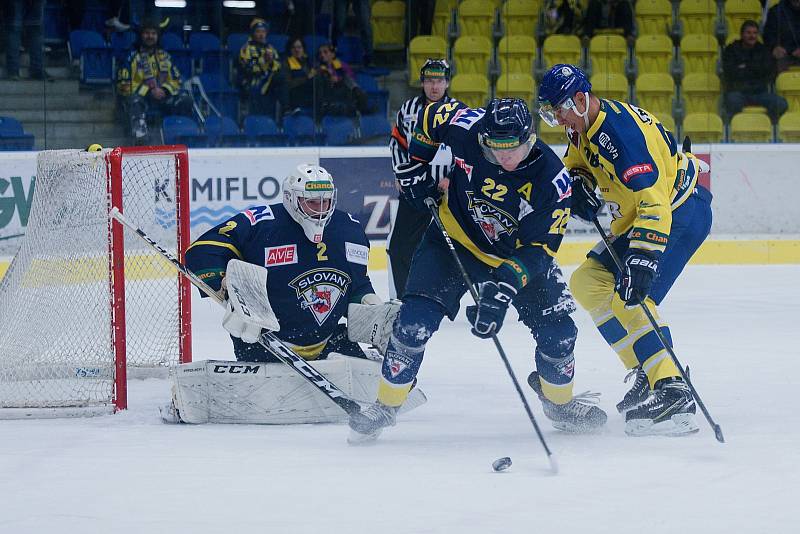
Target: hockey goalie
[(295, 269)]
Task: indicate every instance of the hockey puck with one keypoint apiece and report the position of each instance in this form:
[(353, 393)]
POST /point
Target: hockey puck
[(501, 464)]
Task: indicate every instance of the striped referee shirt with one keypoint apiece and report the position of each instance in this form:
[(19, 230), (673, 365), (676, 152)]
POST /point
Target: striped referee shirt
[(404, 126)]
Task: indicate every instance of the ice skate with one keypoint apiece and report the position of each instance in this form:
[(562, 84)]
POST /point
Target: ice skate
[(580, 415), (668, 412), (169, 413), (367, 425), (638, 392)]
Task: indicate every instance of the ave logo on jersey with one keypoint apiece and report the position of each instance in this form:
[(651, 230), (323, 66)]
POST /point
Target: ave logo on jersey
[(319, 290), (492, 221), (280, 255)]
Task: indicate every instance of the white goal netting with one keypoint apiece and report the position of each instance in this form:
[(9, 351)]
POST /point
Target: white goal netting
[(68, 324)]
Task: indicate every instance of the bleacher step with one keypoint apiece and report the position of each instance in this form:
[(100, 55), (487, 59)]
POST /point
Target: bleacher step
[(71, 116), (76, 132), (12, 104), (53, 90)]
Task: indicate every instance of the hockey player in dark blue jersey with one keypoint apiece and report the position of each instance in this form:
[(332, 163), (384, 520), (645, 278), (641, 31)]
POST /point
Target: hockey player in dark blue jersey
[(316, 259), (506, 208)]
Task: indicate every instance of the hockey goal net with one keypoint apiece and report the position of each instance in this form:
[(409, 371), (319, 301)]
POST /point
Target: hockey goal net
[(82, 303)]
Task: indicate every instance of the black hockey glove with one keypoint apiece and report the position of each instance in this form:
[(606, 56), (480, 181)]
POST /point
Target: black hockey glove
[(416, 184), (639, 271), (585, 203), (487, 317)]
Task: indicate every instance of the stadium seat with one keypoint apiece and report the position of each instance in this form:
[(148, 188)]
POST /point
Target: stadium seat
[(223, 132), (177, 129), (653, 17), (13, 136), (221, 94), (420, 49), (122, 44), (80, 39), (516, 53), (751, 128), (789, 127), (262, 131), (375, 129), (653, 54), (472, 54), (552, 135), (668, 122), (94, 55), (787, 84), (299, 130), (610, 85), (338, 131), (235, 42), (561, 49), (442, 16), (278, 42), (378, 98), (654, 93), (208, 52), (700, 93), (704, 127), (181, 56), (697, 16), (55, 24), (350, 49), (388, 25), (608, 53), (519, 17), (738, 11), (472, 89), (516, 85), (476, 17), (171, 41), (699, 53), (312, 42)]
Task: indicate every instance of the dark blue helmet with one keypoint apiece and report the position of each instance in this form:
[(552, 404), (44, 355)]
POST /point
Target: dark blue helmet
[(506, 124), (435, 68), (558, 86)]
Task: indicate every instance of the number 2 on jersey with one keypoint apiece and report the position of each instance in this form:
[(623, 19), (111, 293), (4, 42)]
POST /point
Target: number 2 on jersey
[(493, 190), (559, 225), (321, 249)]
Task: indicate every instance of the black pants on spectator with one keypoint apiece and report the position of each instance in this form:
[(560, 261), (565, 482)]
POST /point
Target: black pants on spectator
[(138, 106), (27, 15), (277, 94), (409, 227)]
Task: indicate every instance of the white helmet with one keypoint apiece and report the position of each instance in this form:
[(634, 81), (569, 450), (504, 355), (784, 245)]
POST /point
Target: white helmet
[(310, 198)]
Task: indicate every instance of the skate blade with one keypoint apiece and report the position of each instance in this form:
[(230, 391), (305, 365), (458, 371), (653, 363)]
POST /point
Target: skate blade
[(570, 428), (415, 399), (357, 438), (169, 415), (681, 424)]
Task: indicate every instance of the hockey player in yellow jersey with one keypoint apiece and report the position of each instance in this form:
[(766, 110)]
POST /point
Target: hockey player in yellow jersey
[(661, 216)]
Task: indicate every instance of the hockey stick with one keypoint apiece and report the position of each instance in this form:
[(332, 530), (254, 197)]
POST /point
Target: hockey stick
[(618, 262), (267, 340), (472, 291)]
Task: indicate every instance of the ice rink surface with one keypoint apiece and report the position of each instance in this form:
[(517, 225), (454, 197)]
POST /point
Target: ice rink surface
[(735, 326)]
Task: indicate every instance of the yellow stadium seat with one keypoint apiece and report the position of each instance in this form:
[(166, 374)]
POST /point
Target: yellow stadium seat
[(476, 17), (654, 92), (787, 84), (653, 17), (751, 128), (442, 14), (704, 127), (668, 122), (608, 53), (653, 53), (388, 25), (700, 92), (561, 49), (697, 16), (516, 53), (472, 89), (471, 54), (699, 53), (519, 17), (552, 135), (420, 49), (738, 11), (789, 127), (516, 85), (610, 85)]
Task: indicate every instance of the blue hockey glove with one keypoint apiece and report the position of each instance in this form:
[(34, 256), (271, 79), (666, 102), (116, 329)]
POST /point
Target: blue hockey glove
[(487, 317), (585, 203), (639, 271), (416, 184)]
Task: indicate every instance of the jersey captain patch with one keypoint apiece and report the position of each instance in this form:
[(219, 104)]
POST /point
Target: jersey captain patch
[(319, 290), (493, 221)]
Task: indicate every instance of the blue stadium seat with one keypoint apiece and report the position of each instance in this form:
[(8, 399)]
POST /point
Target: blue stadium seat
[(221, 94), (12, 136), (262, 130), (235, 43), (207, 49), (122, 43), (279, 42), (94, 16), (171, 41), (312, 43), (181, 56), (299, 130), (96, 60), (337, 131), (375, 129), (223, 132), (350, 49), (378, 98), (177, 129), (55, 23), (80, 39)]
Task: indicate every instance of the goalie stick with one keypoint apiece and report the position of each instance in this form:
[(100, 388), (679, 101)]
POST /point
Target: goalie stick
[(267, 338)]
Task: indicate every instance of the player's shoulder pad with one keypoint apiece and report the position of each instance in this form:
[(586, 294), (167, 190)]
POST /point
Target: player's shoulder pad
[(550, 178), (270, 212), (435, 118), (346, 226)]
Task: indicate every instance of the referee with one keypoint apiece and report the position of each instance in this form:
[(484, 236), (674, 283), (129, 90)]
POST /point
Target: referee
[(410, 224)]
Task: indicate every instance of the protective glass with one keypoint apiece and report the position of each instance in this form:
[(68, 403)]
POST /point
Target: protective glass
[(492, 148), (549, 113)]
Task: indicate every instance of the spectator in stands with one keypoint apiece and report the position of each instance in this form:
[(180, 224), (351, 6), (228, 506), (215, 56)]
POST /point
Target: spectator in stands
[(782, 33), (362, 10), (147, 79), (609, 15), (260, 75), (420, 18), (562, 16), (748, 69), (336, 89), (27, 15), (300, 75)]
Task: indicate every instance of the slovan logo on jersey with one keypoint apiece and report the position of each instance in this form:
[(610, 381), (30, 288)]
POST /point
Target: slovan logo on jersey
[(493, 221), (319, 290)]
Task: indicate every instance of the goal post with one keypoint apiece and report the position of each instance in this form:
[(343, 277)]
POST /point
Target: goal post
[(82, 304)]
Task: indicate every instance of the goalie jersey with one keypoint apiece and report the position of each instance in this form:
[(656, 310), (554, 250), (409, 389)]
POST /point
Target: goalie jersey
[(511, 219), (309, 285)]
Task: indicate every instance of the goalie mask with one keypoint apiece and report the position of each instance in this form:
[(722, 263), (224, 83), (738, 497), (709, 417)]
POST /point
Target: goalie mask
[(310, 198)]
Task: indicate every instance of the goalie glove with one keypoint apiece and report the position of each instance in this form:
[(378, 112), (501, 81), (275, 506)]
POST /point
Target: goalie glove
[(247, 310), (371, 322)]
